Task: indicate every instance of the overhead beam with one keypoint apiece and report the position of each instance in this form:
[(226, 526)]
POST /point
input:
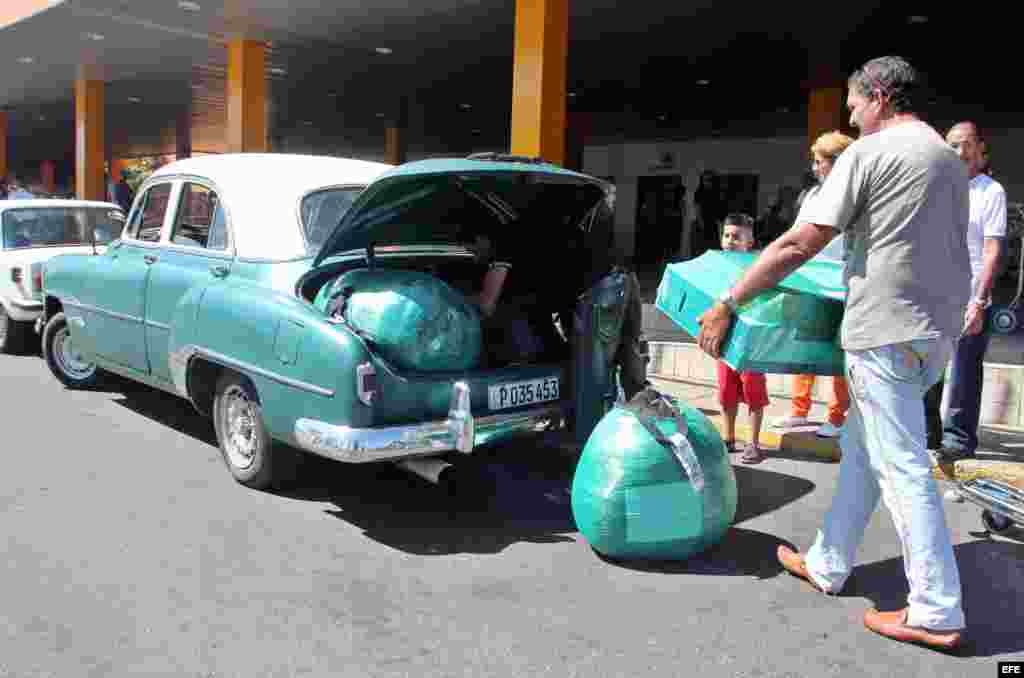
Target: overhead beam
[(539, 79), (89, 144), (247, 97)]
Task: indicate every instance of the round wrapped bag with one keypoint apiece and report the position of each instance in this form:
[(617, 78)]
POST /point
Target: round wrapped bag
[(654, 482), (416, 321)]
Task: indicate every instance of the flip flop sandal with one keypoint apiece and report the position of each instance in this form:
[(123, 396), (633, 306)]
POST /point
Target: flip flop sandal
[(752, 455)]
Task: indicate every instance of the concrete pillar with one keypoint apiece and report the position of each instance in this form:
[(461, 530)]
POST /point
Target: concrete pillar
[(183, 135), (538, 79), (3, 144), (826, 98), (48, 175), (247, 97), (394, 135), (89, 143)]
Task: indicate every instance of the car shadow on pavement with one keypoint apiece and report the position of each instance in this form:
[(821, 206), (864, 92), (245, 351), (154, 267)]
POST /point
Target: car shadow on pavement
[(510, 495), (992, 578), (492, 503), (163, 408)]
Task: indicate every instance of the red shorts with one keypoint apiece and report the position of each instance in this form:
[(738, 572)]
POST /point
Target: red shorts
[(736, 387)]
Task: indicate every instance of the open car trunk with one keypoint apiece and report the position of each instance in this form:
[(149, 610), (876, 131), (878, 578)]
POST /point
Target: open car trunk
[(408, 229)]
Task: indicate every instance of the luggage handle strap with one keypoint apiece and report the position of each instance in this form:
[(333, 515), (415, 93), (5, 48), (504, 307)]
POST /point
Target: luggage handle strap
[(647, 405)]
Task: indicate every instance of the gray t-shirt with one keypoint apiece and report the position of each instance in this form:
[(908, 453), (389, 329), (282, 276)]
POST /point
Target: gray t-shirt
[(901, 198)]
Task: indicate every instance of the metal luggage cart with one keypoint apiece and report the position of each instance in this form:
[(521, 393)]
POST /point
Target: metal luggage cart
[(1002, 504)]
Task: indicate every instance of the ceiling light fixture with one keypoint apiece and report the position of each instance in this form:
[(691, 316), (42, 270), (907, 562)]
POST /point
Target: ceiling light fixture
[(466, 107), (917, 19), (26, 60), (189, 5), (380, 115), (383, 50), (307, 123), (135, 100), (702, 82), (277, 71), (95, 37), (572, 94)]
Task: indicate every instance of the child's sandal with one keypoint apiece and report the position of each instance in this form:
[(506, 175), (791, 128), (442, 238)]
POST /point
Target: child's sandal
[(752, 455)]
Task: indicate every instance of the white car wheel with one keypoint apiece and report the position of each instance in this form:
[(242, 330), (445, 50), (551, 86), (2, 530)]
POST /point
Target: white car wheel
[(63, 359)]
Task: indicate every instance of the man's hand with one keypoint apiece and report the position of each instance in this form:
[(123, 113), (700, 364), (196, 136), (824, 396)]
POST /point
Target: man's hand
[(974, 319), (714, 328)]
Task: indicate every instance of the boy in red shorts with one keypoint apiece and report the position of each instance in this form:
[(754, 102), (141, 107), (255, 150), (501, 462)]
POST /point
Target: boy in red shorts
[(735, 387)]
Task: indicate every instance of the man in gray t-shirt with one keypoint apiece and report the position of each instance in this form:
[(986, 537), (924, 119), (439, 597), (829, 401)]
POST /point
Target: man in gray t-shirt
[(907, 258), (900, 196)]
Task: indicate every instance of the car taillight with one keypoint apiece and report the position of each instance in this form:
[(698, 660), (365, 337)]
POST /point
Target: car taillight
[(366, 383), (37, 278), (16, 276)]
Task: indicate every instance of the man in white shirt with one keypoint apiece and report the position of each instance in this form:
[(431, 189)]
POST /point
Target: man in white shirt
[(985, 234)]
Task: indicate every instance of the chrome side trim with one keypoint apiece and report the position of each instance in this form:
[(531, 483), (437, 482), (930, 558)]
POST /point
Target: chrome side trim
[(189, 351), (103, 311), (459, 432), (159, 326)]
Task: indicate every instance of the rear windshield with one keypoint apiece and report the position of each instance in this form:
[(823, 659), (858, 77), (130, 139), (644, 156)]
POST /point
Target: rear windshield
[(321, 212), (55, 226)]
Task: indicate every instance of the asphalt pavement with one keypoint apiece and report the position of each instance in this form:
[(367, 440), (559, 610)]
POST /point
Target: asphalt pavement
[(128, 550)]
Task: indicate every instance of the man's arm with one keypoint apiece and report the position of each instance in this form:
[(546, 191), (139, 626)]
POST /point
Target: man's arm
[(990, 260), (782, 256)]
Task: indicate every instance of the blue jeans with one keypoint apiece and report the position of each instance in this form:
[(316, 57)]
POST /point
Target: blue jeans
[(961, 402), (884, 457)]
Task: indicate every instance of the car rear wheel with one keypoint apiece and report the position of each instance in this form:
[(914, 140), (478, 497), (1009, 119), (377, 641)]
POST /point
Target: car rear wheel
[(12, 333), (252, 456), (63, 359)]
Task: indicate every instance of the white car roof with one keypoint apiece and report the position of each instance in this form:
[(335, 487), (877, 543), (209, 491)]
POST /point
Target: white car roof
[(48, 202), (262, 191)]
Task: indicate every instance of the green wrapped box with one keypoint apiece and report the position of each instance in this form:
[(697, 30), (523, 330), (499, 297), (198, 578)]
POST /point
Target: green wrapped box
[(790, 329)]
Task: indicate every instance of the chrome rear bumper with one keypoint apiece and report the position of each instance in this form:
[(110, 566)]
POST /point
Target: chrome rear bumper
[(460, 431)]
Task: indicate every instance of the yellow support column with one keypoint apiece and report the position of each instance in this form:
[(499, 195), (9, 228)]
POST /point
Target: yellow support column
[(3, 144), (538, 79), (825, 111), (394, 135), (89, 145), (826, 99), (247, 97)]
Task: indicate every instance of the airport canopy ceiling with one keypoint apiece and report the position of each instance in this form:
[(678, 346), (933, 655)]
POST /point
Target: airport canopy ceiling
[(338, 68)]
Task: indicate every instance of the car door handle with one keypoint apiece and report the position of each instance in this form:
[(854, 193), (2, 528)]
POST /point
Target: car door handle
[(219, 271), (149, 259)]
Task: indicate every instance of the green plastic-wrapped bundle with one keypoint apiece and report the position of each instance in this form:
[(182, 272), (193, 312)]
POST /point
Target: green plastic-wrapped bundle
[(416, 321), (654, 482), (790, 329)]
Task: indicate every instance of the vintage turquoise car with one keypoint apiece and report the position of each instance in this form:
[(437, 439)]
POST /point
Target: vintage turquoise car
[(325, 305)]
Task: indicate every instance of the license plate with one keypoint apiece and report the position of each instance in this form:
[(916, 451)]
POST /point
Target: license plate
[(519, 393)]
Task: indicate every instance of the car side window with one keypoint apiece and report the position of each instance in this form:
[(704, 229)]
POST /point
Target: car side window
[(148, 217), (200, 220)]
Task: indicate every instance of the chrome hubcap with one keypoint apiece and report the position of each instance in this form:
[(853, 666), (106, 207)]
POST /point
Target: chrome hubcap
[(68, 358), (240, 438)]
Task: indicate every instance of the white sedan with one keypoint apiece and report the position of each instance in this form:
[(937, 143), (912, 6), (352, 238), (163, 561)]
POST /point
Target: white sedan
[(32, 231)]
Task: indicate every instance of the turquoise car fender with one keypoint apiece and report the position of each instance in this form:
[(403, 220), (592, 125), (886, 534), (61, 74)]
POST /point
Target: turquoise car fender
[(301, 365), (65, 279)]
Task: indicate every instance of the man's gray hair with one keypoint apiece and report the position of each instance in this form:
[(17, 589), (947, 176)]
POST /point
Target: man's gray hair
[(892, 77)]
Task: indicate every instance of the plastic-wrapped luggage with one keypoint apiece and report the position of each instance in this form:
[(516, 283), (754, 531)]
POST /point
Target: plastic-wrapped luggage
[(654, 482), (416, 321), (791, 329)]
